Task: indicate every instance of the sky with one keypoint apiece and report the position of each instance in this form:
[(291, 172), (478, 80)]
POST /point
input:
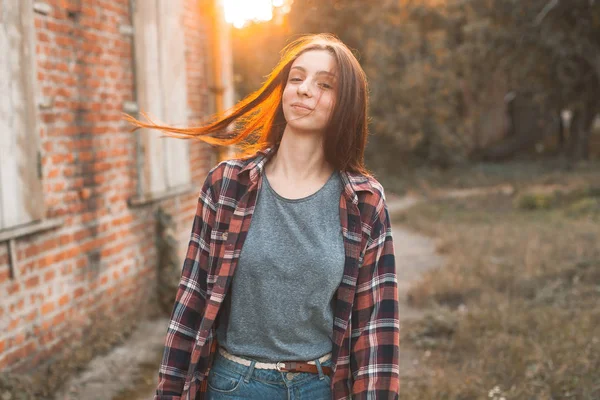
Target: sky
[(238, 12)]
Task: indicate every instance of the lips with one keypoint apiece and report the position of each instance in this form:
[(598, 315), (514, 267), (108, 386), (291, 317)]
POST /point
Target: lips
[(301, 106)]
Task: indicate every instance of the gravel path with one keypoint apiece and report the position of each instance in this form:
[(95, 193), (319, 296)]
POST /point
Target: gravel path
[(130, 370)]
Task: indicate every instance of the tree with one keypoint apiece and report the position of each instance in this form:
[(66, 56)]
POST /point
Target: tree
[(550, 50), (453, 80)]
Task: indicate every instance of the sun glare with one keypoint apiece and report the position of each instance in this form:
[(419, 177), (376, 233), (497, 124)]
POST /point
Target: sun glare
[(239, 12)]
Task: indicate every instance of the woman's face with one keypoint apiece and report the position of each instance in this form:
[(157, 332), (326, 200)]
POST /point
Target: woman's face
[(309, 94)]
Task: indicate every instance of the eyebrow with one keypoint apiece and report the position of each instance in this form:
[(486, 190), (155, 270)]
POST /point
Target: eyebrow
[(318, 73)]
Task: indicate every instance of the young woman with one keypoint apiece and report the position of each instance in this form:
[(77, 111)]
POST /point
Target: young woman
[(289, 286)]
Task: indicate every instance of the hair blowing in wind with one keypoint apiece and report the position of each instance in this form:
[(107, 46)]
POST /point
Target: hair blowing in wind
[(259, 120)]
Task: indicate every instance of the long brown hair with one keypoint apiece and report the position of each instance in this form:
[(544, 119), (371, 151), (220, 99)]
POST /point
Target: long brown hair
[(259, 121)]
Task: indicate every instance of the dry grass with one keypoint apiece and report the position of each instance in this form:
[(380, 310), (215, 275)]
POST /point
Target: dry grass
[(519, 174), (520, 296)]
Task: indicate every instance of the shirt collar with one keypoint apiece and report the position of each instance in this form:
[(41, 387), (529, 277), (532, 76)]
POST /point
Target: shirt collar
[(353, 182), (256, 164)]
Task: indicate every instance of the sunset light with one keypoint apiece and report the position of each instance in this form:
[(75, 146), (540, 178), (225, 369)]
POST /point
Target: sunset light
[(239, 12)]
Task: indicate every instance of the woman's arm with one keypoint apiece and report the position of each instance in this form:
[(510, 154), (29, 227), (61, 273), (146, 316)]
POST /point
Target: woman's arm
[(375, 326), (190, 301)]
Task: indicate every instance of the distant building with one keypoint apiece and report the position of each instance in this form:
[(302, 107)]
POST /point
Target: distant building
[(78, 191)]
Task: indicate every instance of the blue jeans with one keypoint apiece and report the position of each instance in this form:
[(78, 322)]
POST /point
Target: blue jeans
[(228, 380)]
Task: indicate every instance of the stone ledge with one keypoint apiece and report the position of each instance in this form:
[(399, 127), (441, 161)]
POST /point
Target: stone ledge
[(29, 229)]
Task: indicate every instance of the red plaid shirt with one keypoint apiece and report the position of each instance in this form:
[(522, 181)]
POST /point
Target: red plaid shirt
[(365, 330)]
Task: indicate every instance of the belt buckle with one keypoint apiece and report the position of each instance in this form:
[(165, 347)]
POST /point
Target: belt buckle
[(279, 365)]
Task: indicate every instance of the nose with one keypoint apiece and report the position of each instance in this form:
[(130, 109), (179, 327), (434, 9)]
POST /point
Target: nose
[(303, 89)]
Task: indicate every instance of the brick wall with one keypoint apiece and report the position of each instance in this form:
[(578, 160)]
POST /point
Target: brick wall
[(101, 260)]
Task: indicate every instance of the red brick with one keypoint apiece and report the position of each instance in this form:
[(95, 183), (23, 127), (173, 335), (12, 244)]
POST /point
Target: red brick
[(43, 37), (48, 245), (17, 340), (4, 276), (46, 261), (53, 173), (35, 298), (67, 254), (64, 299), (58, 319), (59, 158), (65, 239), (30, 317), (82, 262), (122, 221), (13, 324), (49, 275), (87, 217), (27, 267), (47, 308), (32, 282), (13, 288), (47, 337), (66, 270), (78, 293), (15, 307), (85, 193), (84, 156)]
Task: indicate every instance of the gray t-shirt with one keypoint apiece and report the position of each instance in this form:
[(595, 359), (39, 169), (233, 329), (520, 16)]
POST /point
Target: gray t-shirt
[(280, 306)]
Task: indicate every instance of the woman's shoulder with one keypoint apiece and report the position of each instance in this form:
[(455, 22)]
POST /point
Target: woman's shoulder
[(367, 185), (233, 166), (370, 195), (229, 170)]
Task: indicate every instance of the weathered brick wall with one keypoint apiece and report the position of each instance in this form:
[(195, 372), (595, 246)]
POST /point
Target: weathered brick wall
[(101, 261)]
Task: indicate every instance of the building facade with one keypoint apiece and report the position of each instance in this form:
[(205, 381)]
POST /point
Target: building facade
[(79, 192)]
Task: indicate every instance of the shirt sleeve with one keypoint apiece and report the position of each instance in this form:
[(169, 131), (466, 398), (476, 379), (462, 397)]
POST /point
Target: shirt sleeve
[(190, 301), (375, 326)]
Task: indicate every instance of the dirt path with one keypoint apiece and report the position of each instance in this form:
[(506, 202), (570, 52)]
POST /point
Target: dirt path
[(130, 370), (132, 364), (415, 254)]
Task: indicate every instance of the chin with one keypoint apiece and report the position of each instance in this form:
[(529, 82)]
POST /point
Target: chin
[(305, 125), (308, 128)]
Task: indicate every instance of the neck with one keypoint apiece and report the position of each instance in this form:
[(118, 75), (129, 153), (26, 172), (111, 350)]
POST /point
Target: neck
[(299, 158)]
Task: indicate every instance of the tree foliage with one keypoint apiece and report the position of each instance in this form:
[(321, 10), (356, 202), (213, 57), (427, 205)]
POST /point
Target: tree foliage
[(452, 80)]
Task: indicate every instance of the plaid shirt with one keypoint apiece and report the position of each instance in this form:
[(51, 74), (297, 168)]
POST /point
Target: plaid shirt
[(365, 330)]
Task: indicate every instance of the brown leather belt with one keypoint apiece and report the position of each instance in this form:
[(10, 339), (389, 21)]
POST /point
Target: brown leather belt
[(299, 366)]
